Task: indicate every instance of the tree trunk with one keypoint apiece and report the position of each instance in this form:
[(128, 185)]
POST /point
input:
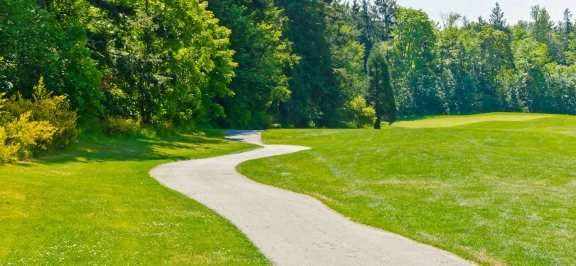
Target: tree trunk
[(378, 123), (42, 4)]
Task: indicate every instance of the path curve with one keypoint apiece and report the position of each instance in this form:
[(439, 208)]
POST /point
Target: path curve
[(290, 228)]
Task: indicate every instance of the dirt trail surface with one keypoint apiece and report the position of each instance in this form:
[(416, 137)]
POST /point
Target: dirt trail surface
[(290, 228)]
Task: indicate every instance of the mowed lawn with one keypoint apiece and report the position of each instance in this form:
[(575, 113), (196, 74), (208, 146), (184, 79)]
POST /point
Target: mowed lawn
[(495, 192), (96, 204)]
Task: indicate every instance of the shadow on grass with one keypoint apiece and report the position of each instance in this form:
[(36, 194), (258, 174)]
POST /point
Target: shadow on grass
[(99, 149)]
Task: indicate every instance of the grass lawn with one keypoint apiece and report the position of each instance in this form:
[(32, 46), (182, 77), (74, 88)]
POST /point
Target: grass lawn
[(97, 204), (490, 190)]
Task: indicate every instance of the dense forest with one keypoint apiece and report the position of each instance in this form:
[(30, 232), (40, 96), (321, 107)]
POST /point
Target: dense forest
[(302, 63)]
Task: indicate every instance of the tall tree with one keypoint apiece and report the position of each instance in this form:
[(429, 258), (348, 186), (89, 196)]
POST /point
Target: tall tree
[(380, 93), (386, 15), (497, 19), (413, 62), (315, 97), (455, 82), (568, 25), (367, 29), (347, 53), (541, 28), (262, 53)]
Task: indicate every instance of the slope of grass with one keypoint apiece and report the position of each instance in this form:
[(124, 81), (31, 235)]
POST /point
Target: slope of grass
[(459, 120), (496, 192), (97, 204)]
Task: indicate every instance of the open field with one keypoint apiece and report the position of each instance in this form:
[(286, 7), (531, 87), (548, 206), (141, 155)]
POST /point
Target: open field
[(97, 204), (496, 192)]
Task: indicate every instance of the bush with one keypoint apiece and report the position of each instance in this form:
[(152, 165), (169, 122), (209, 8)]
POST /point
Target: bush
[(118, 126), (20, 137), (360, 114), (7, 151), (45, 107)]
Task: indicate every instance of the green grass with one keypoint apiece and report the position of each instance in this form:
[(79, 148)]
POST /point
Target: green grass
[(97, 204), (496, 192), (459, 120)]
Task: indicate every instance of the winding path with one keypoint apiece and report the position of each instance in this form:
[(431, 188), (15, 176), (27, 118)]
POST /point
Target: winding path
[(290, 228)]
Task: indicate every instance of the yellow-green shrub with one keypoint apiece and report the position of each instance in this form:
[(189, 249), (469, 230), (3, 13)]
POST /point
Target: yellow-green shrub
[(7, 151), (45, 107), (20, 137), (118, 126), (28, 136), (360, 114)]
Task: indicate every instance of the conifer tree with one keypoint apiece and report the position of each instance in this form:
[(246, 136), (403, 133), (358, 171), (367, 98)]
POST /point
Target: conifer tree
[(380, 93), (386, 14), (568, 25), (497, 19)]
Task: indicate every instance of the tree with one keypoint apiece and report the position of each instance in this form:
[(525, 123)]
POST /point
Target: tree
[(262, 53), (490, 55), (568, 26), (34, 43), (497, 19), (318, 95), (380, 93), (386, 15), (347, 53), (412, 61), (367, 29), (541, 28), (163, 62), (456, 88)]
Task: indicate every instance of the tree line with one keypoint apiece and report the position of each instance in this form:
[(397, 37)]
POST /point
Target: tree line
[(462, 66), (301, 63)]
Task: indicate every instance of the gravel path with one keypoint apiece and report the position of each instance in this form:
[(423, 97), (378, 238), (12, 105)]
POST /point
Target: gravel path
[(290, 228)]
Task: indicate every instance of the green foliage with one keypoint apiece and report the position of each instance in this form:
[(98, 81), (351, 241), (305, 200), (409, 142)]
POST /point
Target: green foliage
[(380, 92), (46, 107), (482, 67), (262, 53), (165, 61), (347, 55), (25, 137), (412, 60), (322, 80), (33, 44), (118, 126), (360, 114), (250, 64), (20, 137), (29, 126)]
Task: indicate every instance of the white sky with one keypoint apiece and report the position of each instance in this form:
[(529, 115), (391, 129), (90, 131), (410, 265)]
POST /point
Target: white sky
[(514, 10)]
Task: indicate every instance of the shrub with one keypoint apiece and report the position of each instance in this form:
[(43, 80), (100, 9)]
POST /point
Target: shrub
[(360, 114), (45, 107), (7, 151), (20, 137), (28, 136), (118, 126)]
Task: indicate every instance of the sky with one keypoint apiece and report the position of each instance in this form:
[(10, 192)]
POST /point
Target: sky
[(514, 10)]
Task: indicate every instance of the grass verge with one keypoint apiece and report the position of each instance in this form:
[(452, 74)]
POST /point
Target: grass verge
[(496, 192), (96, 204)]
